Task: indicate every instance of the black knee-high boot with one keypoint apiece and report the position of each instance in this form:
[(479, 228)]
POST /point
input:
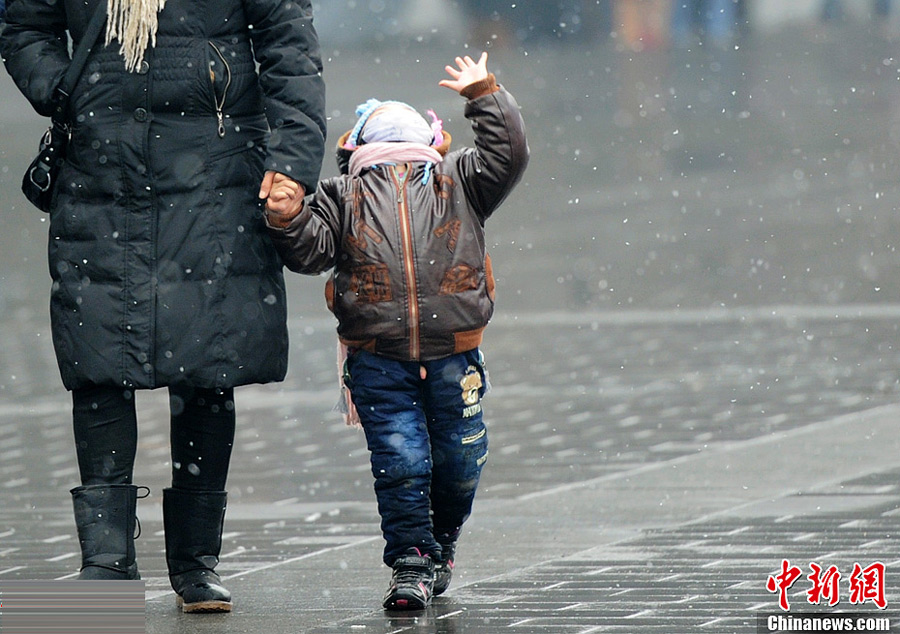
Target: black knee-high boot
[(193, 522), (105, 516)]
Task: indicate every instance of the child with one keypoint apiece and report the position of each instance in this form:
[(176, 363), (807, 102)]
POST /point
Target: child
[(412, 289)]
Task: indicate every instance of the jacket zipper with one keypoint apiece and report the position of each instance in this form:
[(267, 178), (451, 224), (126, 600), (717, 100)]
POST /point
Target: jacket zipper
[(220, 103), (408, 262)]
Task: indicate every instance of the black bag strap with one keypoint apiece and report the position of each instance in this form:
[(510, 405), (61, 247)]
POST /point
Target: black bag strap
[(79, 59)]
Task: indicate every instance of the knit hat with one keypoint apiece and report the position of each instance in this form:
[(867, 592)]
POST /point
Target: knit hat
[(393, 121)]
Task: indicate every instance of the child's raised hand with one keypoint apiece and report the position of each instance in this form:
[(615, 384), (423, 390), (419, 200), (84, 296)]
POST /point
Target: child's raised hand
[(468, 72)]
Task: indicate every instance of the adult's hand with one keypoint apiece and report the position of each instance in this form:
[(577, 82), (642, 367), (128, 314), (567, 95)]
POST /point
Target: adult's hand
[(283, 196)]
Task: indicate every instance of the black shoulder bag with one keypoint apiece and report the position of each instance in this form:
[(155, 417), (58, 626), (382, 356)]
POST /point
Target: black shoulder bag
[(41, 176)]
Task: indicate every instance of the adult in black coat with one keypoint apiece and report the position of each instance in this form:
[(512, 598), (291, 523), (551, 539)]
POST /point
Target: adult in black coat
[(162, 273)]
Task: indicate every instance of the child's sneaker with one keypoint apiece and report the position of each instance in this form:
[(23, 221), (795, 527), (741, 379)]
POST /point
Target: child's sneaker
[(443, 570), (412, 583)]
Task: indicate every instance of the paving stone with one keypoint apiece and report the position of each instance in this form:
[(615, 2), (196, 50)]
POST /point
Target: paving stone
[(651, 310)]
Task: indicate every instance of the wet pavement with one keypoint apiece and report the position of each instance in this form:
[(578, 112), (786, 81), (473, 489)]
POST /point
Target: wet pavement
[(694, 359)]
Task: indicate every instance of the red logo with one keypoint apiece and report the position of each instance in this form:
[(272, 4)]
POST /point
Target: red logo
[(824, 585), (864, 584), (867, 584), (782, 582)]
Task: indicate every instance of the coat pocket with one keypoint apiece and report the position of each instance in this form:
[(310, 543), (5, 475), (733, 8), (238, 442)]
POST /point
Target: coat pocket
[(244, 136)]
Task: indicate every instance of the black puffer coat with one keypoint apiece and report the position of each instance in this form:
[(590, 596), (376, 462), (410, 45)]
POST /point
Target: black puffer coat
[(162, 272)]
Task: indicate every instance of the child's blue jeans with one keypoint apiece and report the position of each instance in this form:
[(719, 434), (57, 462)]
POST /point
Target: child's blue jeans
[(427, 442)]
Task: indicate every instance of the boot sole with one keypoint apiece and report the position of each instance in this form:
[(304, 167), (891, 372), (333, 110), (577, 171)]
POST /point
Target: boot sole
[(202, 606)]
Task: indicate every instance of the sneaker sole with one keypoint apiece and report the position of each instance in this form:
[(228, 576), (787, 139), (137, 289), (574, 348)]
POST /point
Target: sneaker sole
[(406, 602)]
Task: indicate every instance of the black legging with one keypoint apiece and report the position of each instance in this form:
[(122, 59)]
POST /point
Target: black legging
[(202, 434)]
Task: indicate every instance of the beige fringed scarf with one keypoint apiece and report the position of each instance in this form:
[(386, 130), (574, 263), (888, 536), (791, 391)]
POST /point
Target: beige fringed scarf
[(134, 24)]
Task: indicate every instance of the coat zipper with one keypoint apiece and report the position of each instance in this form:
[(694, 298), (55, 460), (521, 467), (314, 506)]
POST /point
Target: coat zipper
[(408, 262), (220, 103)]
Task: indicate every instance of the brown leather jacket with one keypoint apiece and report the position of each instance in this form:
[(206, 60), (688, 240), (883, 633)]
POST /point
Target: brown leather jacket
[(412, 279)]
